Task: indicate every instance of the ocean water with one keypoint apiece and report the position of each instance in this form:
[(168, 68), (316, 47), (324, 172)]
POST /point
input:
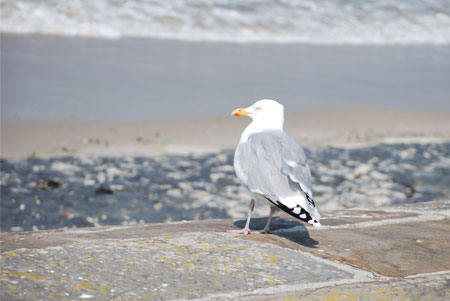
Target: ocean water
[(283, 21), (65, 78)]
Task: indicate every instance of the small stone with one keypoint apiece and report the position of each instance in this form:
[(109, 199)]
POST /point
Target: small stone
[(362, 169), (157, 206), (103, 190), (49, 185), (379, 176), (88, 182), (38, 168), (174, 193), (101, 177), (32, 185)]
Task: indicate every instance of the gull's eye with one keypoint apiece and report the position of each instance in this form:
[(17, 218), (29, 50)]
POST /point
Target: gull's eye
[(258, 109)]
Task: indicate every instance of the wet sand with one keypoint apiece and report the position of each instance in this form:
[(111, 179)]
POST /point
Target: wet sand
[(346, 127)]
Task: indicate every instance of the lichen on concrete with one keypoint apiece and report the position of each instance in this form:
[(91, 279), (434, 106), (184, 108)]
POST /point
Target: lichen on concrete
[(188, 266)]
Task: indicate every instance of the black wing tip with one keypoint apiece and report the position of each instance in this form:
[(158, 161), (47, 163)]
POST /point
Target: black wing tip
[(303, 215)]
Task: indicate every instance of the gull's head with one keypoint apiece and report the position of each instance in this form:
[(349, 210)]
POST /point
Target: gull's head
[(266, 112)]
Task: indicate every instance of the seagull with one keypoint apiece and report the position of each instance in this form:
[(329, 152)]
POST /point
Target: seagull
[(272, 166)]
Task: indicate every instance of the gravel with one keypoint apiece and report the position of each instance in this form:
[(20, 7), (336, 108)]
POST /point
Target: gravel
[(90, 191)]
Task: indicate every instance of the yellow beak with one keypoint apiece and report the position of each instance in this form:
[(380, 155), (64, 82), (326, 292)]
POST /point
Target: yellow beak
[(240, 112)]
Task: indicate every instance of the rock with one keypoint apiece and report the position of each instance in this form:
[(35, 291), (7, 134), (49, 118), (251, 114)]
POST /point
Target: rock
[(88, 182), (374, 174), (49, 185), (101, 177), (362, 169), (103, 190), (64, 167), (174, 193), (16, 229)]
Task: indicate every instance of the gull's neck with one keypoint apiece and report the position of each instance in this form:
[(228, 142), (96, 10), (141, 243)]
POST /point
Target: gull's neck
[(261, 125)]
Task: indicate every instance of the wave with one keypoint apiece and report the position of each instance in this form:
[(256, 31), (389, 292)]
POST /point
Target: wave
[(283, 21)]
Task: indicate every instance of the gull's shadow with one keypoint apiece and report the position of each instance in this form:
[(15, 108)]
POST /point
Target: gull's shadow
[(299, 236)]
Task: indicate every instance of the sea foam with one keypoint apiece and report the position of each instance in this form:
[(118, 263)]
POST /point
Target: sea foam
[(284, 21)]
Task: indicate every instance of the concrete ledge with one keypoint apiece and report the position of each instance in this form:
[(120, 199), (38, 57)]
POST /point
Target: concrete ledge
[(395, 252)]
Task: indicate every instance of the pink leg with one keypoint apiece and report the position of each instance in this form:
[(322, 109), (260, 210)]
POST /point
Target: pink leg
[(246, 229), (267, 227)]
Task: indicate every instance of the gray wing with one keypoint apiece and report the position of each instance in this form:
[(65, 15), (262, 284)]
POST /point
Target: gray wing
[(274, 165)]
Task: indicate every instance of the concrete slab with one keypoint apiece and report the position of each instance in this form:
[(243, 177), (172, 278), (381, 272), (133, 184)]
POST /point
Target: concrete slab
[(198, 259), (439, 206), (191, 265), (43, 239), (425, 287), (349, 217), (396, 250), (331, 218)]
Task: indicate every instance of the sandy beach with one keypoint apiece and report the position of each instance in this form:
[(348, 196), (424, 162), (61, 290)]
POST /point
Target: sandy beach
[(344, 127), (126, 131)]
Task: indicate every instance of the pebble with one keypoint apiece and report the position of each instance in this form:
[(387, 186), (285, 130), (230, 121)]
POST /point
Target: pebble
[(362, 169)]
